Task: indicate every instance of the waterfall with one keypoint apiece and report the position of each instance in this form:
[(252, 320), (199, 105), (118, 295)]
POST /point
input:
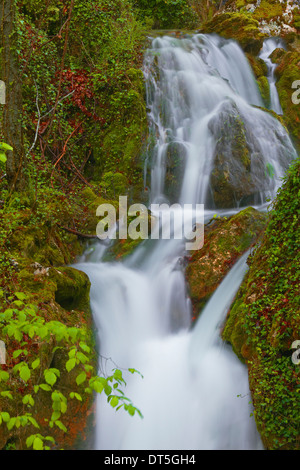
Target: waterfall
[(194, 85), (195, 393), (269, 46)]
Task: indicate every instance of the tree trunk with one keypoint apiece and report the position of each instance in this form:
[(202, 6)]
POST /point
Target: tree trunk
[(12, 110)]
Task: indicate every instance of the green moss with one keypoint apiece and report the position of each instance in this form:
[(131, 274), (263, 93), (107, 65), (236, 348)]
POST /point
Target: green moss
[(265, 320), (288, 71), (269, 9), (72, 288), (239, 26), (225, 241), (259, 67), (264, 89)]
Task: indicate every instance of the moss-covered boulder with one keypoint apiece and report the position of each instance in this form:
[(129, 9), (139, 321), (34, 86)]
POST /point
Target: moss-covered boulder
[(225, 240), (269, 10), (240, 26), (231, 179), (72, 288), (264, 321)]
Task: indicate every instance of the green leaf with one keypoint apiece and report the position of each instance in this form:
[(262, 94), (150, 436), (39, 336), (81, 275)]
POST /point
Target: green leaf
[(5, 146), (55, 415), (25, 373), (35, 364), (71, 363), (21, 295), (29, 440), (114, 401), (4, 375), (3, 158), (33, 422), (61, 426), (50, 377), (81, 378), (17, 353), (5, 416), (38, 444), (6, 394), (45, 387), (11, 423)]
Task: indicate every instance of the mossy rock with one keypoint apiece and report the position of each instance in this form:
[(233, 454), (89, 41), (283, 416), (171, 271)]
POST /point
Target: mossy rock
[(239, 26), (72, 288), (231, 179), (225, 241), (268, 10), (258, 66), (264, 89), (277, 54), (45, 245)]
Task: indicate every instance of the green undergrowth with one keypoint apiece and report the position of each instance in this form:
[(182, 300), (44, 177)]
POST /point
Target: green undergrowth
[(264, 321), (50, 375)]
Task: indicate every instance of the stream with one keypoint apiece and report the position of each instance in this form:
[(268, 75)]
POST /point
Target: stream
[(194, 393)]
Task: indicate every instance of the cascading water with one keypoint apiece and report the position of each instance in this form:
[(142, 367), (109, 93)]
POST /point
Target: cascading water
[(194, 394), (201, 106), (269, 46)]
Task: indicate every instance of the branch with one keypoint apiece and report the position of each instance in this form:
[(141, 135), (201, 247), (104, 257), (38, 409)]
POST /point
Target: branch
[(74, 232)]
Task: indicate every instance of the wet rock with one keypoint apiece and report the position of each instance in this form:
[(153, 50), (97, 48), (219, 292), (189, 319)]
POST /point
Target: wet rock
[(225, 240), (232, 180)]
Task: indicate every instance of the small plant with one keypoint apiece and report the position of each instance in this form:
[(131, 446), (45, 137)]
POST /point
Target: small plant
[(3, 148)]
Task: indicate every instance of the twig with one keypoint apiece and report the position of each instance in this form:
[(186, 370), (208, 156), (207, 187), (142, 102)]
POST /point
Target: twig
[(65, 148), (39, 120)]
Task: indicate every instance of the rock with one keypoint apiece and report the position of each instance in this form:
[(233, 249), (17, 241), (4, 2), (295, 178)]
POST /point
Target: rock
[(231, 179), (72, 288), (225, 240), (239, 26)]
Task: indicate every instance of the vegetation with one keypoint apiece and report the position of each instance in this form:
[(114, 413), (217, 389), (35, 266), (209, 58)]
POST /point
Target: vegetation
[(225, 241), (72, 136), (264, 321), (72, 131)]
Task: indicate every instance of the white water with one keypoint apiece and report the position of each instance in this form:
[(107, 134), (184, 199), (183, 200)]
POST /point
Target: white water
[(269, 46), (189, 393), (203, 80)]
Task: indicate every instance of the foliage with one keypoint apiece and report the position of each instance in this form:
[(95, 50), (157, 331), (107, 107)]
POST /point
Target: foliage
[(265, 320), (166, 14), (3, 148), (26, 331), (84, 122)]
